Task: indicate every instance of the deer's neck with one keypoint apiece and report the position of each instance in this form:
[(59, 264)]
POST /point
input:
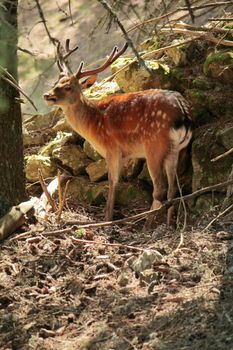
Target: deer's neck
[(82, 116)]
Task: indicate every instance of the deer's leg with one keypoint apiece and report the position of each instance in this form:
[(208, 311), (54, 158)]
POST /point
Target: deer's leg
[(155, 160), (171, 164), (114, 167)]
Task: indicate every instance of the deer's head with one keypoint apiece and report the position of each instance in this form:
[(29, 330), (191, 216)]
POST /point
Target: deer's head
[(68, 89)]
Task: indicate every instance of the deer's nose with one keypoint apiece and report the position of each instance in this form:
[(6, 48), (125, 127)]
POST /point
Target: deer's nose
[(46, 95)]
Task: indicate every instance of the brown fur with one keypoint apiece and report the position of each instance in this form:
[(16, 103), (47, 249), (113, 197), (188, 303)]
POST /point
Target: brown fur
[(135, 125)]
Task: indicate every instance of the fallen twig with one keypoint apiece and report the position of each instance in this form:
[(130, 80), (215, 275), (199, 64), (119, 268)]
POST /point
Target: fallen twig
[(217, 217), (119, 245), (179, 9), (148, 212), (224, 19), (207, 36), (46, 192), (62, 197), (223, 155)]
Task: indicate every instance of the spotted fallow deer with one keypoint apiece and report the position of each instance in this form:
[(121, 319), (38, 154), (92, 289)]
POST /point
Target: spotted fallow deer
[(152, 124)]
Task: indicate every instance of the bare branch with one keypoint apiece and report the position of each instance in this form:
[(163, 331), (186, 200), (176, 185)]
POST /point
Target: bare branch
[(4, 74), (127, 38), (41, 14)]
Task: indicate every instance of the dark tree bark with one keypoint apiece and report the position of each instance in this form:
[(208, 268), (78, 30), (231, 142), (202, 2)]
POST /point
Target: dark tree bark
[(12, 179)]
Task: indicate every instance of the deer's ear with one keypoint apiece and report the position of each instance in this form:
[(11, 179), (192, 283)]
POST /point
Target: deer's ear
[(89, 81)]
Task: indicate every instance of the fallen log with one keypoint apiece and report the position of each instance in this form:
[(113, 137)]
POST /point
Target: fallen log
[(19, 214)]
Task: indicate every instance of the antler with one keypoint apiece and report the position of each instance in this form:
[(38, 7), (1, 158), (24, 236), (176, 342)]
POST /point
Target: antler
[(61, 59), (112, 57)]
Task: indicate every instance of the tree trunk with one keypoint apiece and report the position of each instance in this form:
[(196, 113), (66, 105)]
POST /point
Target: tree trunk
[(12, 179)]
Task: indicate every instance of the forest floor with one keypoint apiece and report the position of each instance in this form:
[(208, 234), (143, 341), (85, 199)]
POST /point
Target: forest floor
[(58, 294)]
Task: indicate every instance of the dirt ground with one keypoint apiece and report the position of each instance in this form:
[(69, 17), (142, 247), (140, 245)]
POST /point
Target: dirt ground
[(58, 294)]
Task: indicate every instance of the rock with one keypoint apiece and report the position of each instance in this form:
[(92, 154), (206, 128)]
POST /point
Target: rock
[(97, 171), (105, 88), (145, 260), (148, 276), (219, 65), (32, 138), (38, 121), (62, 125), (61, 139), (123, 279), (132, 194), (204, 148), (206, 202), (35, 162), (200, 107), (150, 44), (178, 55), (81, 191), (72, 157), (136, 78), (225, 137), (90, 151)]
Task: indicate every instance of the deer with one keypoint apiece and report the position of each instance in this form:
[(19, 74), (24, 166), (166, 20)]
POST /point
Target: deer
[(153, 124)]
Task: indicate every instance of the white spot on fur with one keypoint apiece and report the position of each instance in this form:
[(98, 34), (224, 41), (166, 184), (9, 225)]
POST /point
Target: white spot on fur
[(164, 116), (159, 113), (152, 124), (153, 114)]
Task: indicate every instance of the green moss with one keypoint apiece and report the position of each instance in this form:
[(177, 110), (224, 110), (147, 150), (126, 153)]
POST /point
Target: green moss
[(229, 36), (223, 58), (202, 83), (200, 107)]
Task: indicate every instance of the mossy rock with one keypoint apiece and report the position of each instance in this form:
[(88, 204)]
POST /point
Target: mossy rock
[(199, 102), (225, 137), (206, 202), (136, 78), (97, 171), (104, 89), (36, 162), (90, 151), (219, 65), (61, 139), (132, 194), (82, 191), (150, 44), (202, 83), (71, 157), (229, 25), (204, 148), (178, 55)]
